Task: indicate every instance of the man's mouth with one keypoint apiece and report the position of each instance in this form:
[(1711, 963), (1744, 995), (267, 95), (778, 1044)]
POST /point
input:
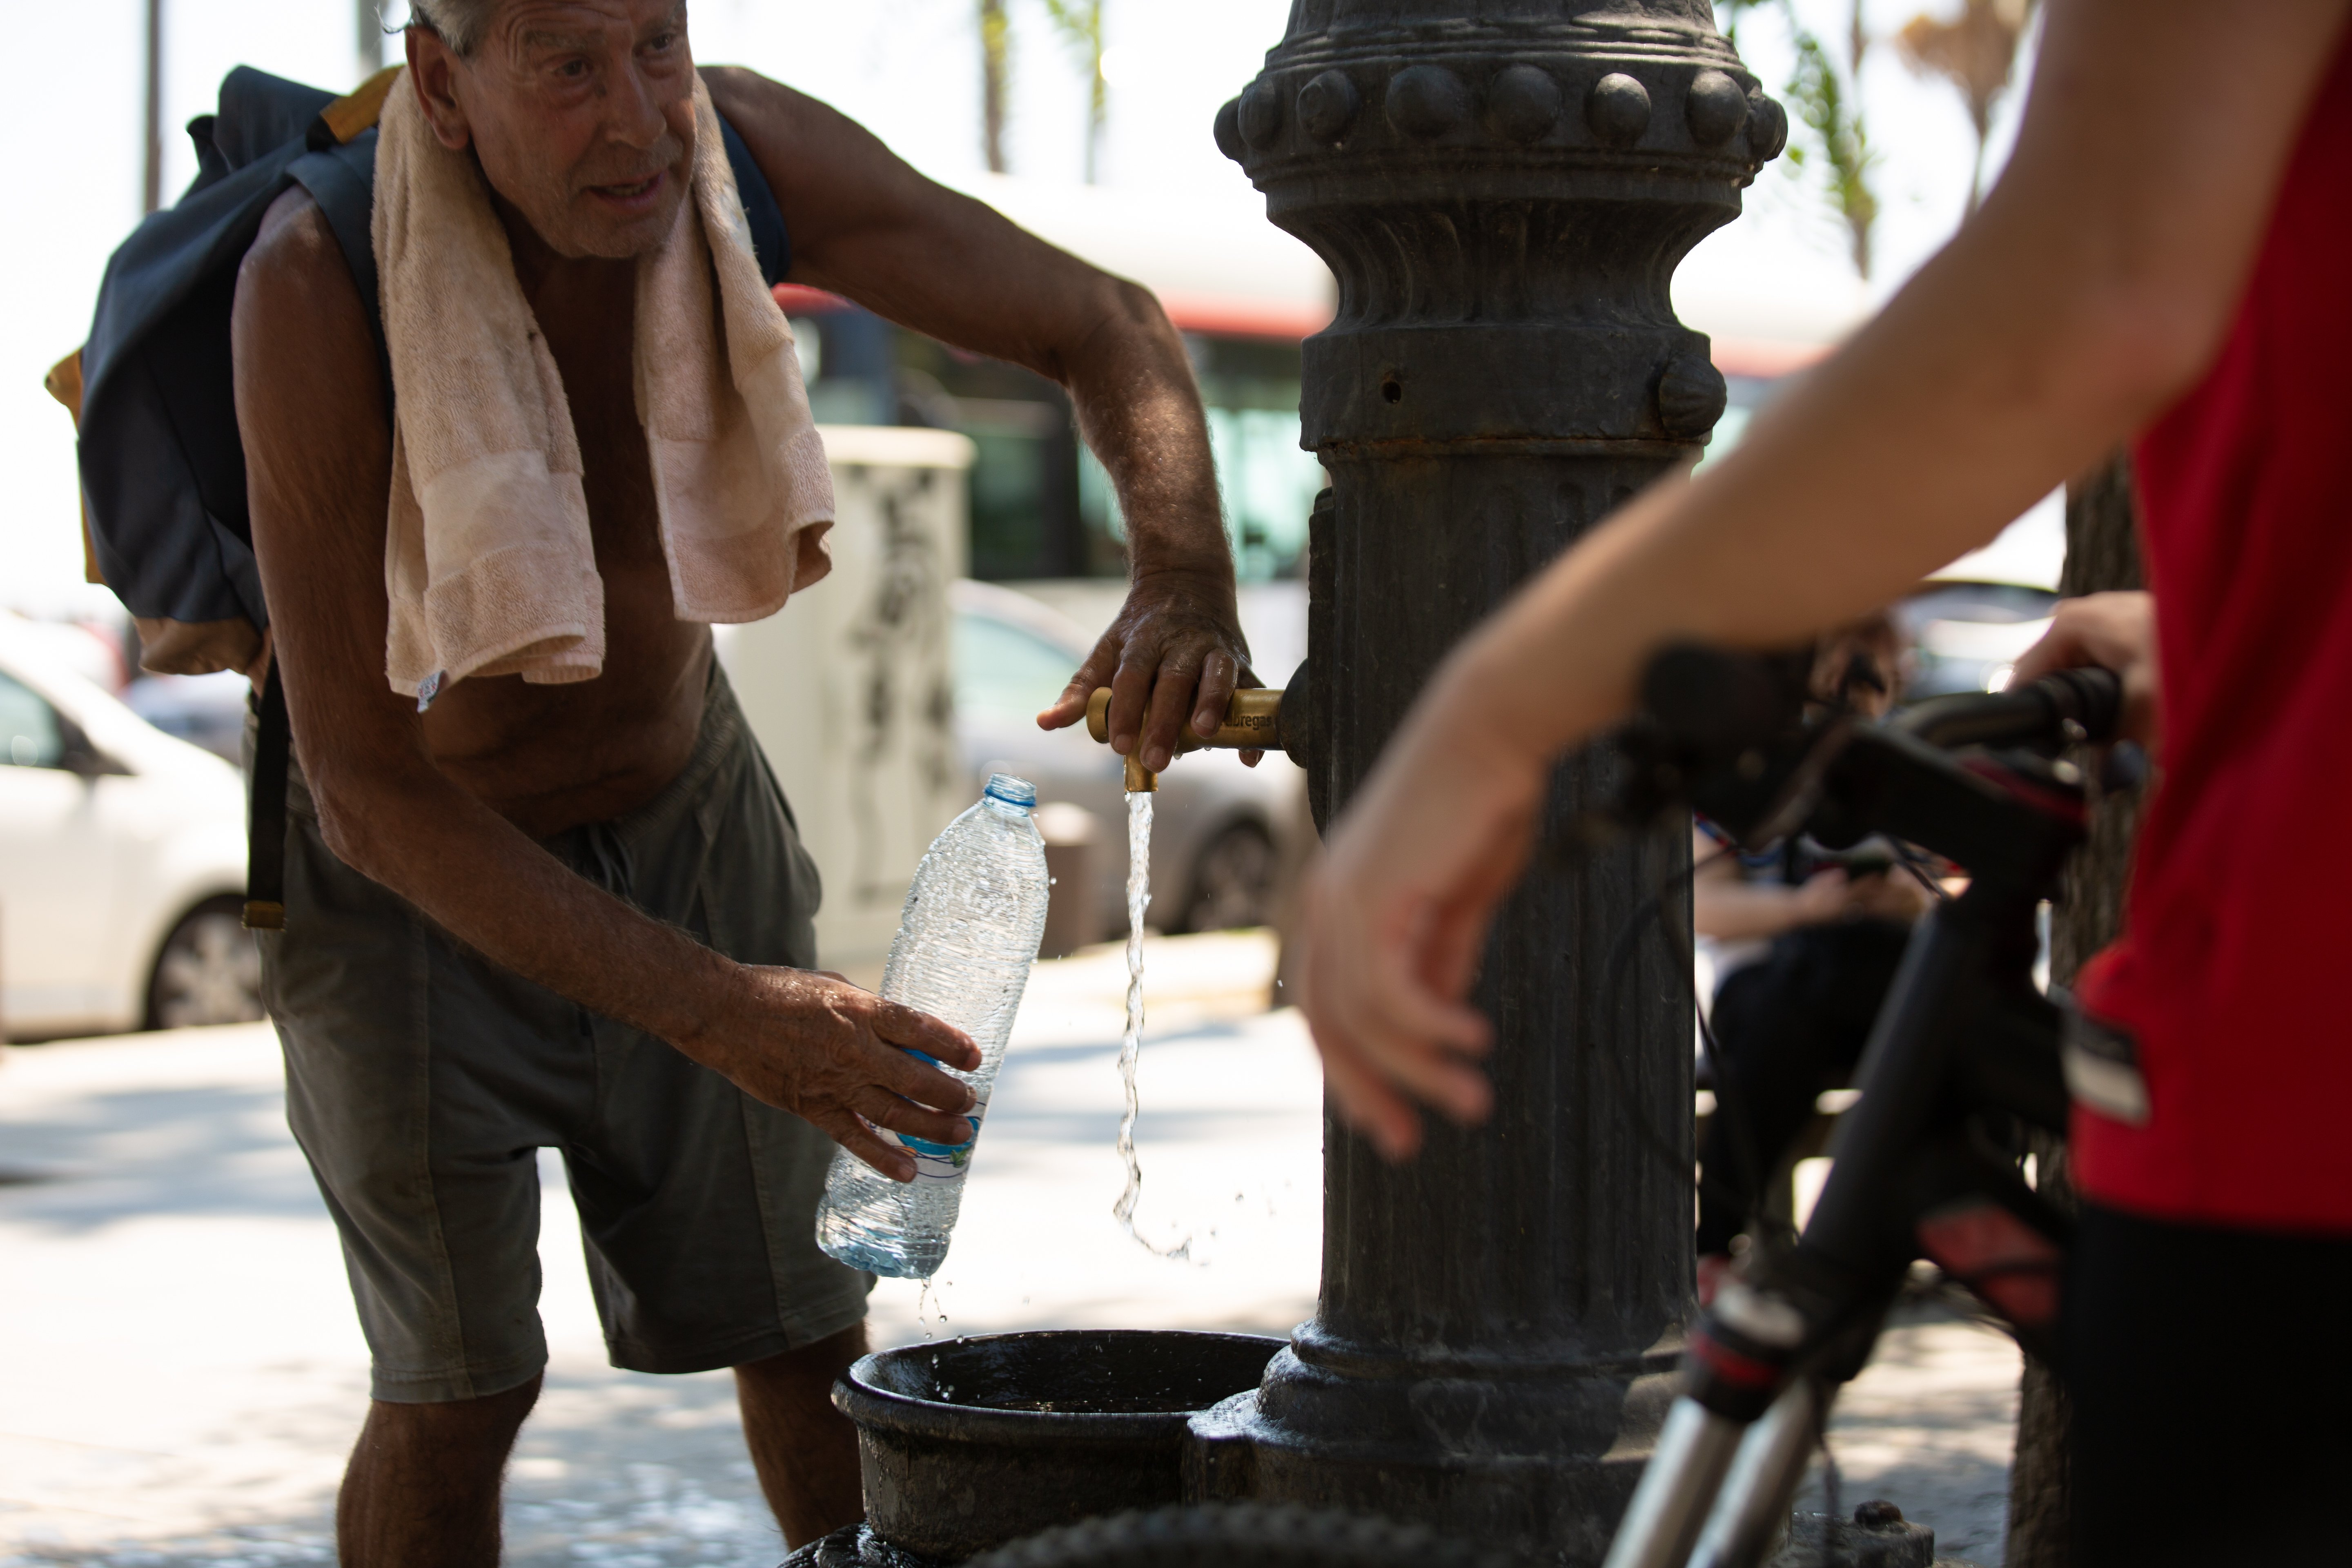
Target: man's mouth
[(632, 193)]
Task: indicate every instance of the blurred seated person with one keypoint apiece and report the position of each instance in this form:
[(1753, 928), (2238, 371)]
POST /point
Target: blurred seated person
[(1806, 942)]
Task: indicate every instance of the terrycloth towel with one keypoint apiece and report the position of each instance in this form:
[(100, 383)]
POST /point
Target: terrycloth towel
[(487, 560)]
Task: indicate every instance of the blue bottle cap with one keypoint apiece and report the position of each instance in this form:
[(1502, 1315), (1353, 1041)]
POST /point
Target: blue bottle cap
[(1012, 791)]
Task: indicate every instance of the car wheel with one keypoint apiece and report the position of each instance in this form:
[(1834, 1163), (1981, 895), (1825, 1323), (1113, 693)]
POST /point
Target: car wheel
[(209, 971), (1232, 881)]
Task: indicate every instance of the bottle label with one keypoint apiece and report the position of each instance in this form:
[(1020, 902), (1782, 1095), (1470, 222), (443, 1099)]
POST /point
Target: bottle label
[(943, 1162)]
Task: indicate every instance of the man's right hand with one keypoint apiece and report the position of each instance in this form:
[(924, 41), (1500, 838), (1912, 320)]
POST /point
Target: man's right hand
[(837, 1056), (2114, 630)]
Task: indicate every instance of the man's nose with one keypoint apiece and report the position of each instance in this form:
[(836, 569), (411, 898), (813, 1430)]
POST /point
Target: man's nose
[(634, 114)]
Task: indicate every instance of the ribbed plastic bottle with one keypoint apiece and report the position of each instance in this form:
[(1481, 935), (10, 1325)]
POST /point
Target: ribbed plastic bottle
[(966, 939)]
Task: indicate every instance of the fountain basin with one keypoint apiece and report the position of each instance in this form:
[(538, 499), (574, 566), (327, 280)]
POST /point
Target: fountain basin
[(971, 1443)]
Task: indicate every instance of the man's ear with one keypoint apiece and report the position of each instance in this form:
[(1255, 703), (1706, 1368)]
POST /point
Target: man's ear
[(433, 68)]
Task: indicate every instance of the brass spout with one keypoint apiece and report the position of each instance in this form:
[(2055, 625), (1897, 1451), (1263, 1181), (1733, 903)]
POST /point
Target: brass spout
[(1140, 780)]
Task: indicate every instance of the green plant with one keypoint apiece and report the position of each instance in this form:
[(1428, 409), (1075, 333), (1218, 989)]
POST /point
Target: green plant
[(1825, 96), (1081, 22), (1825, 104)]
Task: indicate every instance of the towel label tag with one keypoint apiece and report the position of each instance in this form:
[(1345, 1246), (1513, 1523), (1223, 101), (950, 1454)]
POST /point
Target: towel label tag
[(428, 688)]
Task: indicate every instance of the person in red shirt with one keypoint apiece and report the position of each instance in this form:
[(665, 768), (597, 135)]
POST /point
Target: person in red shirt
[(2167, 260)]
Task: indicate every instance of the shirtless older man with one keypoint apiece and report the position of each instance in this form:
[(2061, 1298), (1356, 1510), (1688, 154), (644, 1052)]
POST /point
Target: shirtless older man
[(578, 915)]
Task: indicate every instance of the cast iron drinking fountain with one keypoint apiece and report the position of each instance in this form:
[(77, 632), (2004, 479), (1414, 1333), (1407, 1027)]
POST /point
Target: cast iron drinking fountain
[(1503, 189)]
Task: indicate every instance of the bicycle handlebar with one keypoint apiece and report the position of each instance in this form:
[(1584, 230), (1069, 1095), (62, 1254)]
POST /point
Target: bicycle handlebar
[(2078, 705), (1727, 734)]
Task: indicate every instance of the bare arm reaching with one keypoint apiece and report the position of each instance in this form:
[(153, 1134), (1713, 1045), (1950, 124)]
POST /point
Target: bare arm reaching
[(317, 455), (2089, 292), (867, 227)]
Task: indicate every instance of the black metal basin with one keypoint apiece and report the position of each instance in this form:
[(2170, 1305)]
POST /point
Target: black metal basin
[(971, 1443)]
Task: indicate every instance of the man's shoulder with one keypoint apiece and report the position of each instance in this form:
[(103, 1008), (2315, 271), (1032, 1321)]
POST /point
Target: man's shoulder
[(295, 290), (295, 275), (771, 117), (305, 357), (741, 86)]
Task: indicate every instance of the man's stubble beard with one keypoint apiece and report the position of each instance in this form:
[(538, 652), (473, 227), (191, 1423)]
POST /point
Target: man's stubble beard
[(562, 211)]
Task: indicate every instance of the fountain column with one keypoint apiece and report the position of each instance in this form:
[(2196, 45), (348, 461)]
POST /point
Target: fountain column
[(1503, 189)]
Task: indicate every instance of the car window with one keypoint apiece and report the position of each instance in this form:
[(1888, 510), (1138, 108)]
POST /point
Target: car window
[(30, 736), (1003, 671)]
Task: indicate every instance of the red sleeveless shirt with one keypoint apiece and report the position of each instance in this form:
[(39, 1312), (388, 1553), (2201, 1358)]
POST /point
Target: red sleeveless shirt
[(2234, 975)]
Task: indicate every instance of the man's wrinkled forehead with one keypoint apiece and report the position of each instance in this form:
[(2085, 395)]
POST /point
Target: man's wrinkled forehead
[(523, 28)]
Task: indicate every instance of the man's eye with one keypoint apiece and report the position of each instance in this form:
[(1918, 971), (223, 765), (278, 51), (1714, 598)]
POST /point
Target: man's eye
[(660, 43), (573, 70)]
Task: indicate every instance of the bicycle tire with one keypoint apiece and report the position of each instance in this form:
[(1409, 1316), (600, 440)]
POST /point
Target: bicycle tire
[(1242, 1535)]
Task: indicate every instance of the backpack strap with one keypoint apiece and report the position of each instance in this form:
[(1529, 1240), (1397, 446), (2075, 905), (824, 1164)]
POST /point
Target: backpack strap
[(772, 242), (265, 849), (356, 111), (338, 173)]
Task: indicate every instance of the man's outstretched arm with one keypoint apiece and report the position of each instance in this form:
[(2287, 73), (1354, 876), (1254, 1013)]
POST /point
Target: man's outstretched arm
[(868, 227), (2091, 289), (317, 455)]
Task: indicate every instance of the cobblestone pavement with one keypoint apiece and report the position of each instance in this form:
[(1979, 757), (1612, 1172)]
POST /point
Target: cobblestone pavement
[(180, 1375), (1929, 1426)]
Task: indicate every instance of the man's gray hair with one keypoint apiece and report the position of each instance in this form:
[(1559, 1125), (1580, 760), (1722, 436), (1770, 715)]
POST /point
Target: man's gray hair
[(460, 24)]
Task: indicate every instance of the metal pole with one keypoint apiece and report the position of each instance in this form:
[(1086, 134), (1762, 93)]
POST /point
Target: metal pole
[(996, 45), (371, 37), (1504, 190), (152, 191)]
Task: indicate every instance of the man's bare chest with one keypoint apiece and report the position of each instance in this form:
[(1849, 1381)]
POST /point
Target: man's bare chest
[(615, 474)]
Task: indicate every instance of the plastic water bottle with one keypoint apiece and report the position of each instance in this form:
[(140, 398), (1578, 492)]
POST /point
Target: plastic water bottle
[(966, 939)]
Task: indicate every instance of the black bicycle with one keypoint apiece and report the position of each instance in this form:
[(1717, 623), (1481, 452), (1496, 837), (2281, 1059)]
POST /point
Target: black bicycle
[(1965, 1051)]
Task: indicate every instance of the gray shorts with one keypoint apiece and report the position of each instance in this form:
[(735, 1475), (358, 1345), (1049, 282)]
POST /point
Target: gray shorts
[(421, 1081)]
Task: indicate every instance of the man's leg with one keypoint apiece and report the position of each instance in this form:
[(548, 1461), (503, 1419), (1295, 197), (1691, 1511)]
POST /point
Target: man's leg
[(422, 1491), (1767, 1075), (1785, 1030), (804, 1449)]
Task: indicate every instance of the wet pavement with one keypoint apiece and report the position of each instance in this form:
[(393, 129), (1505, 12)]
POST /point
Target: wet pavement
[(180, 1375)]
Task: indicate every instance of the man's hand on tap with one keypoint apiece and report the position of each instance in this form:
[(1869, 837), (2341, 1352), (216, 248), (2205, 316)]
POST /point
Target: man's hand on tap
[(1177, 645), (1176, 651)]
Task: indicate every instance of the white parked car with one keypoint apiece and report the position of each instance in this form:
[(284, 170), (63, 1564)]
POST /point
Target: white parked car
[(122, 862)]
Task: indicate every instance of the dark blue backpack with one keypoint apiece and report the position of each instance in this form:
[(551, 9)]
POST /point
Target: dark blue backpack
[(163, 463)]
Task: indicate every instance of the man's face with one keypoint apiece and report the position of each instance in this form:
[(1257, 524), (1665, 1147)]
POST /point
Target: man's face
[(581, 112)]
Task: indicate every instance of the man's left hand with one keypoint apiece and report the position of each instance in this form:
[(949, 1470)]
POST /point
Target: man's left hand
[(1175, 651)]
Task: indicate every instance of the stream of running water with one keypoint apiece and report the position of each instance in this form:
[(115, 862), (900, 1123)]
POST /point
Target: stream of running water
[(1131, 1046)]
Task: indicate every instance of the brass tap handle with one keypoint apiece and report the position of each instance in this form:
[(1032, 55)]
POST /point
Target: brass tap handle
[(1253, 722)]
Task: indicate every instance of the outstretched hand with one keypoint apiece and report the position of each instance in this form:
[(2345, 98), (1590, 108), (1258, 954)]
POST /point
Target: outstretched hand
[(1396, 915), (2114, 630), (809, 1042), (1176, 650)]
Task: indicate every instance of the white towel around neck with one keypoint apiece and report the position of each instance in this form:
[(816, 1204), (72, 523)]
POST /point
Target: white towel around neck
[(488, 562)]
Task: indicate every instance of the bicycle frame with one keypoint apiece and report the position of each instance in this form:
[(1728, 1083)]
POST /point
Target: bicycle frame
[(1963, 1032)]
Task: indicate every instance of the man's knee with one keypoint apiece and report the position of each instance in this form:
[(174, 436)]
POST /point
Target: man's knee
[(489, 1422), (811, 1368)]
